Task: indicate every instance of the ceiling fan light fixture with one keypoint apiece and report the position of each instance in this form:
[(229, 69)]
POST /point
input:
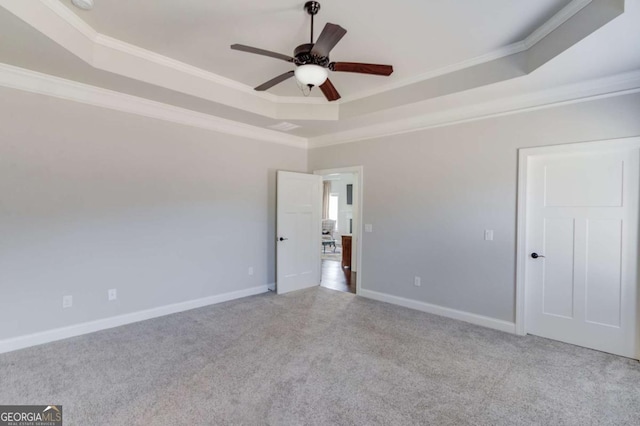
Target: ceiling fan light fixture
[(311, 75)]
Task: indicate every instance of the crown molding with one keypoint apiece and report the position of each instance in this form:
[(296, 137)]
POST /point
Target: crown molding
[(617, 85), (541, 32), (55, 20), (117, 56), (43, 84), (315, 100), (71, 18), (566, 13), (112, 43), (138, 52), (509, 50)]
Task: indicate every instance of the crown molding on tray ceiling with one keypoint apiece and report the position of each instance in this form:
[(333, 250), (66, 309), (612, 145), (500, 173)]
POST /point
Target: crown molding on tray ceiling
[(514, 64), (616, 85), (90, 33), (545, 29), (541, 32), (43, 84), (59, 23), (555, 22), (64, 27)]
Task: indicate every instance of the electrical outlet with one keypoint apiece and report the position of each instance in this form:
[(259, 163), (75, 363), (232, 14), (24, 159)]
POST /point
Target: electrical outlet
[(488, 234), (112, 294), (368, 227), (67, 301), (417, 281), (250, 270)]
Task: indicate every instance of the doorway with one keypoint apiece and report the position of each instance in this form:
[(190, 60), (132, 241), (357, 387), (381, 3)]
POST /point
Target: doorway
[(578, 244), (341, 213)]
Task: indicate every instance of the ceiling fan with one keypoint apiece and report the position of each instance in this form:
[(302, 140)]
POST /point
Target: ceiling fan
[(312, 59)]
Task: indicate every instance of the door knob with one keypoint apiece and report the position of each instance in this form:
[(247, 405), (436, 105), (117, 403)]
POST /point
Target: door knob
[(282, 239), (536, 255)]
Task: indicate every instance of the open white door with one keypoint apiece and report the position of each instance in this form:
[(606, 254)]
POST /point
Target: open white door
[(582, 245), (298, 231)]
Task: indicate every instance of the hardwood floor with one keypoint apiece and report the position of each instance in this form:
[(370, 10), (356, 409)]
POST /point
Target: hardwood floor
[(336, 278)]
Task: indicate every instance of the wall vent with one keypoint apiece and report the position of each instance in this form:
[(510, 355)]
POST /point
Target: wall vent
[(284, 126)]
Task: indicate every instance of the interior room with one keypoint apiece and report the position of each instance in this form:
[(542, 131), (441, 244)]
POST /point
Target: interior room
[(339, 231), (169, 171)]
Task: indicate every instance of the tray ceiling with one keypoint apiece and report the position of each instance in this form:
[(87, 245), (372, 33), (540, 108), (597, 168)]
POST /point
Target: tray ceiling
[(414, 36), (453, 60)]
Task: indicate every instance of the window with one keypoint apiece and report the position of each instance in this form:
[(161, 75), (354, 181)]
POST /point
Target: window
[(333, 208)]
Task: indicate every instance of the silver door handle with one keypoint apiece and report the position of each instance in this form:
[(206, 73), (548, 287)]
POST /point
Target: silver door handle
[(536, 255), (282, 239)]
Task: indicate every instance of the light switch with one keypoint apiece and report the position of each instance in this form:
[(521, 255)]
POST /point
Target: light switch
[(368, 227), (488, 234)]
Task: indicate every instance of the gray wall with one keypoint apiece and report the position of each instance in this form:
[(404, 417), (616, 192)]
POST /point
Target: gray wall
[(92, 199), (431, 194)]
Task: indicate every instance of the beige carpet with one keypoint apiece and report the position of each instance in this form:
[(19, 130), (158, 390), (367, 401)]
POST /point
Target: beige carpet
[(320, 357)]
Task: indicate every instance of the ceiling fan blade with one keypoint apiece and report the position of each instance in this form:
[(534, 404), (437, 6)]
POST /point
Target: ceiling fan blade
[(361, 68), (329, 37), (329, 91), (279, 79), (263, 52)]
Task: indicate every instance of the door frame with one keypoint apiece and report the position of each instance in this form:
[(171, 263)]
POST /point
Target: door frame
[(360, 180), (524, 154)]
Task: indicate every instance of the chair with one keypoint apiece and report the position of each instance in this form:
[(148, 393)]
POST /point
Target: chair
[(328, 227)]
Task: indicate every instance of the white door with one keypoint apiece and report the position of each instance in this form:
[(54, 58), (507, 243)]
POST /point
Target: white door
[(299, 231), (582, 245)]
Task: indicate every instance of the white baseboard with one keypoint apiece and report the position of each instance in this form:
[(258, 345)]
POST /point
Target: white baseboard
[(481, 320), (20, 342)]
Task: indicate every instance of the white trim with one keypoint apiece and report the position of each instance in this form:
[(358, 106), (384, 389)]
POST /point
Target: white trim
[(521, 216), (358, 170), (100, 40), (541, 32), (520, 239), (103, 40), (509, 50), (310, 100), (35, 82), (168, 62), (21, 342), (480, 320), (71, 18), (43, 84), (556, 20), (620, 84)]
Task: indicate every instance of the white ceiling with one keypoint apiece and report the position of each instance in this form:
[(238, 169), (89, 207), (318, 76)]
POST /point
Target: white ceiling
[(414, 36), (422, 36)]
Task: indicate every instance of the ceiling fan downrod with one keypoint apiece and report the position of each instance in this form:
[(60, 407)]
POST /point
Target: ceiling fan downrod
[(312, 8)]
